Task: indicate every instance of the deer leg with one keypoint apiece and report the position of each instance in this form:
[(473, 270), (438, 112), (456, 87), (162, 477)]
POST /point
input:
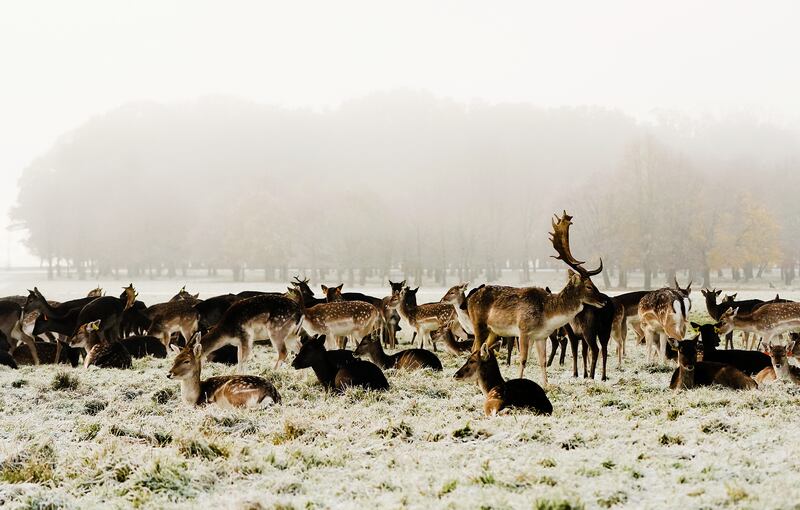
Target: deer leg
[(541, 353), (662, 348), (649, 337), (523, 352), (592, 341), (20, 336), (573, 342), (281, 348), (553, 349), (510, 343), (563, 343)]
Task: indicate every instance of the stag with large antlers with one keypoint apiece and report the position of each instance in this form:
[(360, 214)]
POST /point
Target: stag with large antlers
[(531, 313)]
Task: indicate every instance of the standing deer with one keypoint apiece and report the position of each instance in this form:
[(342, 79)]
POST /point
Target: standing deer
[(227, 391), (662, 314), (626, 313), (109, 310), (11, 314), (531, 313), (426, 318), (174, 316), (333, 294), (338, 320), (767, 321), (276, 317), (482, 367)]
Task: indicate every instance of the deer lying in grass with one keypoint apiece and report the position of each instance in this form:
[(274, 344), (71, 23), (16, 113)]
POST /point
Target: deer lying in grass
[(11, 327), (339, 320), (100, 352), (531, 314), (7, 360), (337, 369), (175, 316), (410, 359), (140, 346), (767, 321), (451, 345), (780, 367), (264, 316), (691, 373), (662, 314), (227, 391), (482, 367), (749, 362), (426, 318)]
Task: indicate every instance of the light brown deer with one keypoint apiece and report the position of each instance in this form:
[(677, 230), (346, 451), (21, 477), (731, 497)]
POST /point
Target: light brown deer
[(767, 321), (339, 320), (663, 316), (426, 318), (456, 296), (531, 313), (227, 391), (781, 368), (175, 316)]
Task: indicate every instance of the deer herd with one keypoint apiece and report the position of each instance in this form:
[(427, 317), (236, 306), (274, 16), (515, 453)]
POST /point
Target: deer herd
[(109, 331)]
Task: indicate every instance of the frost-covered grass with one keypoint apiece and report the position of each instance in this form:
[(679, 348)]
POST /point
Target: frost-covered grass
[(96, 438)]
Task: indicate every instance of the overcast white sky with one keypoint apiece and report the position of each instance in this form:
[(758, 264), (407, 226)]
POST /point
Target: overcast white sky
[(62, 62)]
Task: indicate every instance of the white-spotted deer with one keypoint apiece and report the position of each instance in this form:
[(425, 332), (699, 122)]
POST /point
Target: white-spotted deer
[(663, 315), (227, 391), (482, 367), (338, 321), (766, 321), (426, 318), (531, 313)]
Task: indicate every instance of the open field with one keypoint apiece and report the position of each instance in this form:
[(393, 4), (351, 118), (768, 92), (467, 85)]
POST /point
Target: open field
[(108, 438)]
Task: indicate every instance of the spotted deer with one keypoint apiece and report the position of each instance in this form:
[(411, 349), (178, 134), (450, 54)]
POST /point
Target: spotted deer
[(531, 313), (100, 352), (426, 318), (226, 391), (767, 321), (174, 316), (271, 316), (338, 321), (663, 315), (388, 323), (501, 395)]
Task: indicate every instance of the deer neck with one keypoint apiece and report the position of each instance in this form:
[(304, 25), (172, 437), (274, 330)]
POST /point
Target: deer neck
[(379, 357), (407, 311), (489, 376), (462, 314), (325, 370), (567, 303), (712, 307), (190, 387), (686, 377)]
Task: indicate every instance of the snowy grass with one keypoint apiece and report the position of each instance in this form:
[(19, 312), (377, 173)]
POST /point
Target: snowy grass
[(97, 438)]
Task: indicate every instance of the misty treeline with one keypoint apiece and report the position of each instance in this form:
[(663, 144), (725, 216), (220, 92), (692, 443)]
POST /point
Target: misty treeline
[(407, 181)]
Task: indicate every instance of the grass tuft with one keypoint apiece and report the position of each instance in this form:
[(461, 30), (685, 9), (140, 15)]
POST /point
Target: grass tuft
[(64, 381)]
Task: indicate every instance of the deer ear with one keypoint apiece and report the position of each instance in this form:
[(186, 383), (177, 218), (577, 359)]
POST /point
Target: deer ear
[(198, 349), (175, 348), (694, 325), (484, 352), (339, 287), (735, 312), (324, 289)]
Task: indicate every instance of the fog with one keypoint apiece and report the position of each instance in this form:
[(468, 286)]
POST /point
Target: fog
[(434, 139)]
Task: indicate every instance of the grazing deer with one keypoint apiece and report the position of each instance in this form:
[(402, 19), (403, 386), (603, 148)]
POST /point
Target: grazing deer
[(691, 373), (482, 367), (662, 314), (426, 318), (264, 316), (338, 320), (175, 316), (531, 314), (108, 310), (767, 321), (140, 346), (451, 345), (338, 369), (780, 367), (749, 362), (11, 314), (410, 359), (227, 391), (100, 352)]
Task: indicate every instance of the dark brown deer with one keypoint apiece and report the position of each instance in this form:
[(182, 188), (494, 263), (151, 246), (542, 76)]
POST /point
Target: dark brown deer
[(410, 359), (184, 295), (482, 367), (226, 391), (691, 373), (337, 369), (140, 346), (211, 310), (37, 302), (531, 314), (11, 327), (749, 362), (275, 317), (108, 310), (626, 313), (592, 325)]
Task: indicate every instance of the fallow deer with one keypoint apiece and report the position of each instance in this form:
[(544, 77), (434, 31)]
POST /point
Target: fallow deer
[(780, 367), (227, 391), (307, 294), (337, 369), (593, 326), (211, 310), (37, 302), (7, 360), (47, 353), (451, 344), (175, 316), (531, 314), (100, 352), (767, 321), (108, 310), (388, 333), (747, 306), (626, 313), (408, 359), (663, 314), (140, 346), (11, 327), (482, 367), (276, 317), (96, 292), (338, 321), (426, 318), (749, 362), (691, 373), (184, 295)]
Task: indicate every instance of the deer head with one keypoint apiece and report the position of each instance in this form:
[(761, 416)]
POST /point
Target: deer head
[(312, 349), (333, 294), (187, 363), (579, 278), (455, 294), (397, 287), (367, 345), (726, 321), (687, 353), (85, 335)]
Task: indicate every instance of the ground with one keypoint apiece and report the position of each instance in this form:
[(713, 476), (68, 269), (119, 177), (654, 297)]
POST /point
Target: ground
[(80, 438)]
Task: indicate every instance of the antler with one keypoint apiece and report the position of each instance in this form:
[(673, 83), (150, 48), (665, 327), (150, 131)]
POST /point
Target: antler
[(560, 239)]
